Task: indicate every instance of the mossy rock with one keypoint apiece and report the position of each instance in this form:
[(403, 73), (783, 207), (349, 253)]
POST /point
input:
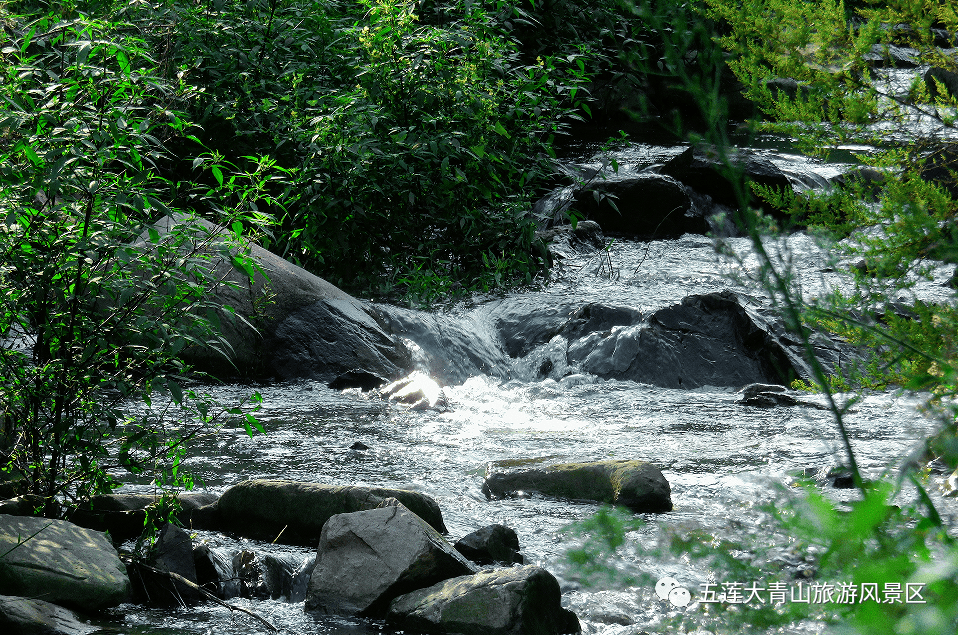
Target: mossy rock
[(634, 484)]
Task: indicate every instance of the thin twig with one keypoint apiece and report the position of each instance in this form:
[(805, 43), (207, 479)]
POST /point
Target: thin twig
[(178, 578)]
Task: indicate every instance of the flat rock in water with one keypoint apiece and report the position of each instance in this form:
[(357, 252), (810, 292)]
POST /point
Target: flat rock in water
[(703, 170), (518, 601), (637, 485), (366, 559), (58, 562), (23, 616), (296, 512)]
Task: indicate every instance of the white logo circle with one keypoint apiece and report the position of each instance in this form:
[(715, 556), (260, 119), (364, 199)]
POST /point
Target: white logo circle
[(669, 589)]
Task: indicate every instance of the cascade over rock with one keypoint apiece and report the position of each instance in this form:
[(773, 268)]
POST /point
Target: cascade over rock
[(304, 326)]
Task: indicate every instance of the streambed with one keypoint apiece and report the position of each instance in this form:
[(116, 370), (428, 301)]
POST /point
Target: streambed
[(721, 458)]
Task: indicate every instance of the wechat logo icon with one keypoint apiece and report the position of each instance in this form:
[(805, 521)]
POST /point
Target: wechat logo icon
[(669, 589)]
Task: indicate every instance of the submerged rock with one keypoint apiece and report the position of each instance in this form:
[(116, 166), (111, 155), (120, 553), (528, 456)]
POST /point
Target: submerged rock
[(294, 513), (518, 601), (634, 484), (495, 543), (23, 616), (366, 559), (56, 561)]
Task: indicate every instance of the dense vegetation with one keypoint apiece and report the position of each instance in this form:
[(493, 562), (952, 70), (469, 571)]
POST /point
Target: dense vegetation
[(412, 137)]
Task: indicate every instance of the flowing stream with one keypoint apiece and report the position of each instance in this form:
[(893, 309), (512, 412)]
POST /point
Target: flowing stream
[(721, 458)]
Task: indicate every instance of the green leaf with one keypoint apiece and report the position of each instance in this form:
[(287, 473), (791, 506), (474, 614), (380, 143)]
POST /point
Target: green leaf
[(505, 133), (123, 61), (217, 174)]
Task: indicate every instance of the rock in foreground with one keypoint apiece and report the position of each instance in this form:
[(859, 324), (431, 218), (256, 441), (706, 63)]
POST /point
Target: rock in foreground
[(366, 559), (23, 616), (518, 601), (637, 485), (262, 509), (58, 562)]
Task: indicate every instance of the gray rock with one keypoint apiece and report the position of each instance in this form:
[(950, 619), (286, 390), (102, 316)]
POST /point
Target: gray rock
[(495, 543), (635, 484), (263, 509), (703, 170), (292, 323), (23, 616), (889, 55), (61, 563), (707, 339), (366, 559), (518, 601), (173, 553), (122, 515), (754, 389), (214, 572)]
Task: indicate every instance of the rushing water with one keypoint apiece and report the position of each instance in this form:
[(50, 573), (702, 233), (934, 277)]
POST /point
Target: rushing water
[(721, 458)]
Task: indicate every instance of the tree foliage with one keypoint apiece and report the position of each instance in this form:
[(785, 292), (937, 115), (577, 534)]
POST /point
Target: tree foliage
[(96, 300)]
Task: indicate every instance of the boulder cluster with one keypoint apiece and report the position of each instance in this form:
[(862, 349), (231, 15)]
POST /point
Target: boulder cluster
[(381, 554)]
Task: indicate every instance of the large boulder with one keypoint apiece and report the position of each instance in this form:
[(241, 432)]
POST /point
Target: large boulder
[(710, 339), (296, 512), (23, 616), (646, 205), (293, 323), (637, 485), (517, 601), (56, 561), (366, 559)]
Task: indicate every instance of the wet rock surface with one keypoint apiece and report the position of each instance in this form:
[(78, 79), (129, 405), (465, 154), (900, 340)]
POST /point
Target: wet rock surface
[(366, 559), (517, 601), (637, 485), (294, 513), (173, 553), (492, 544), (123, 515)]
